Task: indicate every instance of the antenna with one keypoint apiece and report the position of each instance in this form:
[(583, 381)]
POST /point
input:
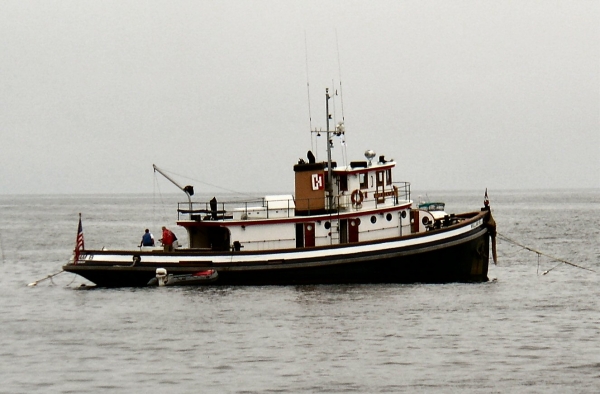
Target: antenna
[(340, 73), (344, 152), (335, 93), (308, 88)]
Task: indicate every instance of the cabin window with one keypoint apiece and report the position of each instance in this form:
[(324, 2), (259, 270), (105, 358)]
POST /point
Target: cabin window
[(343, 183), (388, 176), (362, 178)]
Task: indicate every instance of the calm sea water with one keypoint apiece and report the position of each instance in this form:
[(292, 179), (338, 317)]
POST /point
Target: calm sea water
[(521, 332)]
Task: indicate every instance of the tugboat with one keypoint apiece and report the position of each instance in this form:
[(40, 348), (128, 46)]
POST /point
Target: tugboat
[(345, 224)]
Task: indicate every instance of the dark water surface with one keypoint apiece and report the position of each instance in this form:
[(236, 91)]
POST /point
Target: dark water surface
[(522, 332)]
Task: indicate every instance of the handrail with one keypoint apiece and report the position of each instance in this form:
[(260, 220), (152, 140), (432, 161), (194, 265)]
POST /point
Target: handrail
[(340, 203)]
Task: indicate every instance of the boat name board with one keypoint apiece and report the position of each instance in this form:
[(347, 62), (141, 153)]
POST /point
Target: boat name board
[(392, 193), (477, 223)]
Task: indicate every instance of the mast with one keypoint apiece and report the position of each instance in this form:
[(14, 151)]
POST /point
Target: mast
[(188, 190), (329, 143)]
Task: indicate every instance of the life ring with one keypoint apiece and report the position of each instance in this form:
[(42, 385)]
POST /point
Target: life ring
[(357, 197)]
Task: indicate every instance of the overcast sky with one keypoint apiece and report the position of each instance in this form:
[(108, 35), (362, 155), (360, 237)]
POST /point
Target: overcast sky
[(462, 94)]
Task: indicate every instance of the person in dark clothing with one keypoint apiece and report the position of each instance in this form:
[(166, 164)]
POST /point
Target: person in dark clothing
[(213, 208), (147, 239)]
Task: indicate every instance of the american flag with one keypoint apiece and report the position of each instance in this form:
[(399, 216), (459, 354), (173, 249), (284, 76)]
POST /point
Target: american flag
[(79, 242)]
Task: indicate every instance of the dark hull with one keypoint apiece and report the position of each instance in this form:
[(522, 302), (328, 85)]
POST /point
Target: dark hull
[(466, 262), (463, 258)]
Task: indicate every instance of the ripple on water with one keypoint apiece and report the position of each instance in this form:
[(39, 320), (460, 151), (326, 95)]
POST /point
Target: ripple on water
[(522, 333)]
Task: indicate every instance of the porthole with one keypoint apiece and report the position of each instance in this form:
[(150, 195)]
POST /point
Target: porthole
[(373, 219), (425, 220), (403, 215), (388, 217), (327, 225), (309, 227)]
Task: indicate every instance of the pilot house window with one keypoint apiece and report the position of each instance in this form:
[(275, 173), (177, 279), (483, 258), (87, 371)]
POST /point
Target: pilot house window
[(362, 178), (343, 183)]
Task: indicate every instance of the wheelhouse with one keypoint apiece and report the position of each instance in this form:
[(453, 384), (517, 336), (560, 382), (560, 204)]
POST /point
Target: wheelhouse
[(361, 203)]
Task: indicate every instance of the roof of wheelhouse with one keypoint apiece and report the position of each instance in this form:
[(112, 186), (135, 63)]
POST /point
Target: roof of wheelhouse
[(362, 167), (354, 167)]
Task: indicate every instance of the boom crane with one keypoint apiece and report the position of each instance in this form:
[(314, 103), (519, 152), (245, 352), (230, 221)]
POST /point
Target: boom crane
[(188, 190)]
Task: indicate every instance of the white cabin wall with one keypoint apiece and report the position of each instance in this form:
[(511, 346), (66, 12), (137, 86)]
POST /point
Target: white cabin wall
[(283, 235), (405, 222), (322, 235), (264, 237), (382, 228)]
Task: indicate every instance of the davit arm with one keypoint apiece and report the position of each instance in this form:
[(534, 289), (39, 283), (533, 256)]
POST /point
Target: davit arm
[(188, 190)]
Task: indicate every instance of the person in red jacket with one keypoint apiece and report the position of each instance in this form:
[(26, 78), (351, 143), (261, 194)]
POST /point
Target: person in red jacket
[(167, 239)]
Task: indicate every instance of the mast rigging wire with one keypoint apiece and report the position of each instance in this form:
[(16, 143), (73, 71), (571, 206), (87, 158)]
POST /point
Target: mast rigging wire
[(208, 184), (160, 195)]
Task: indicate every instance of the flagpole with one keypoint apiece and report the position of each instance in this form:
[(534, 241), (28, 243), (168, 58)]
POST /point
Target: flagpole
[(79, 243)]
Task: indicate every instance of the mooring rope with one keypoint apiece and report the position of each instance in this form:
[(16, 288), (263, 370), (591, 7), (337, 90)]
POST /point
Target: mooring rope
[(32, 284), (561, 261)]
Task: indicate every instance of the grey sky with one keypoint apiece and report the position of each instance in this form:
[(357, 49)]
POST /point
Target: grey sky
[(463, 94)]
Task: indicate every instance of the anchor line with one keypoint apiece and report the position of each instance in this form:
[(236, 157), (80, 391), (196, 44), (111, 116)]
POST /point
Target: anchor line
[(52, 280), (72, 280), (561, 261), (32, 284)]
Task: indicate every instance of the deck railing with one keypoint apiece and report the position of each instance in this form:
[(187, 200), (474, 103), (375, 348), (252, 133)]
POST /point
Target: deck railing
[(398, 192)]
